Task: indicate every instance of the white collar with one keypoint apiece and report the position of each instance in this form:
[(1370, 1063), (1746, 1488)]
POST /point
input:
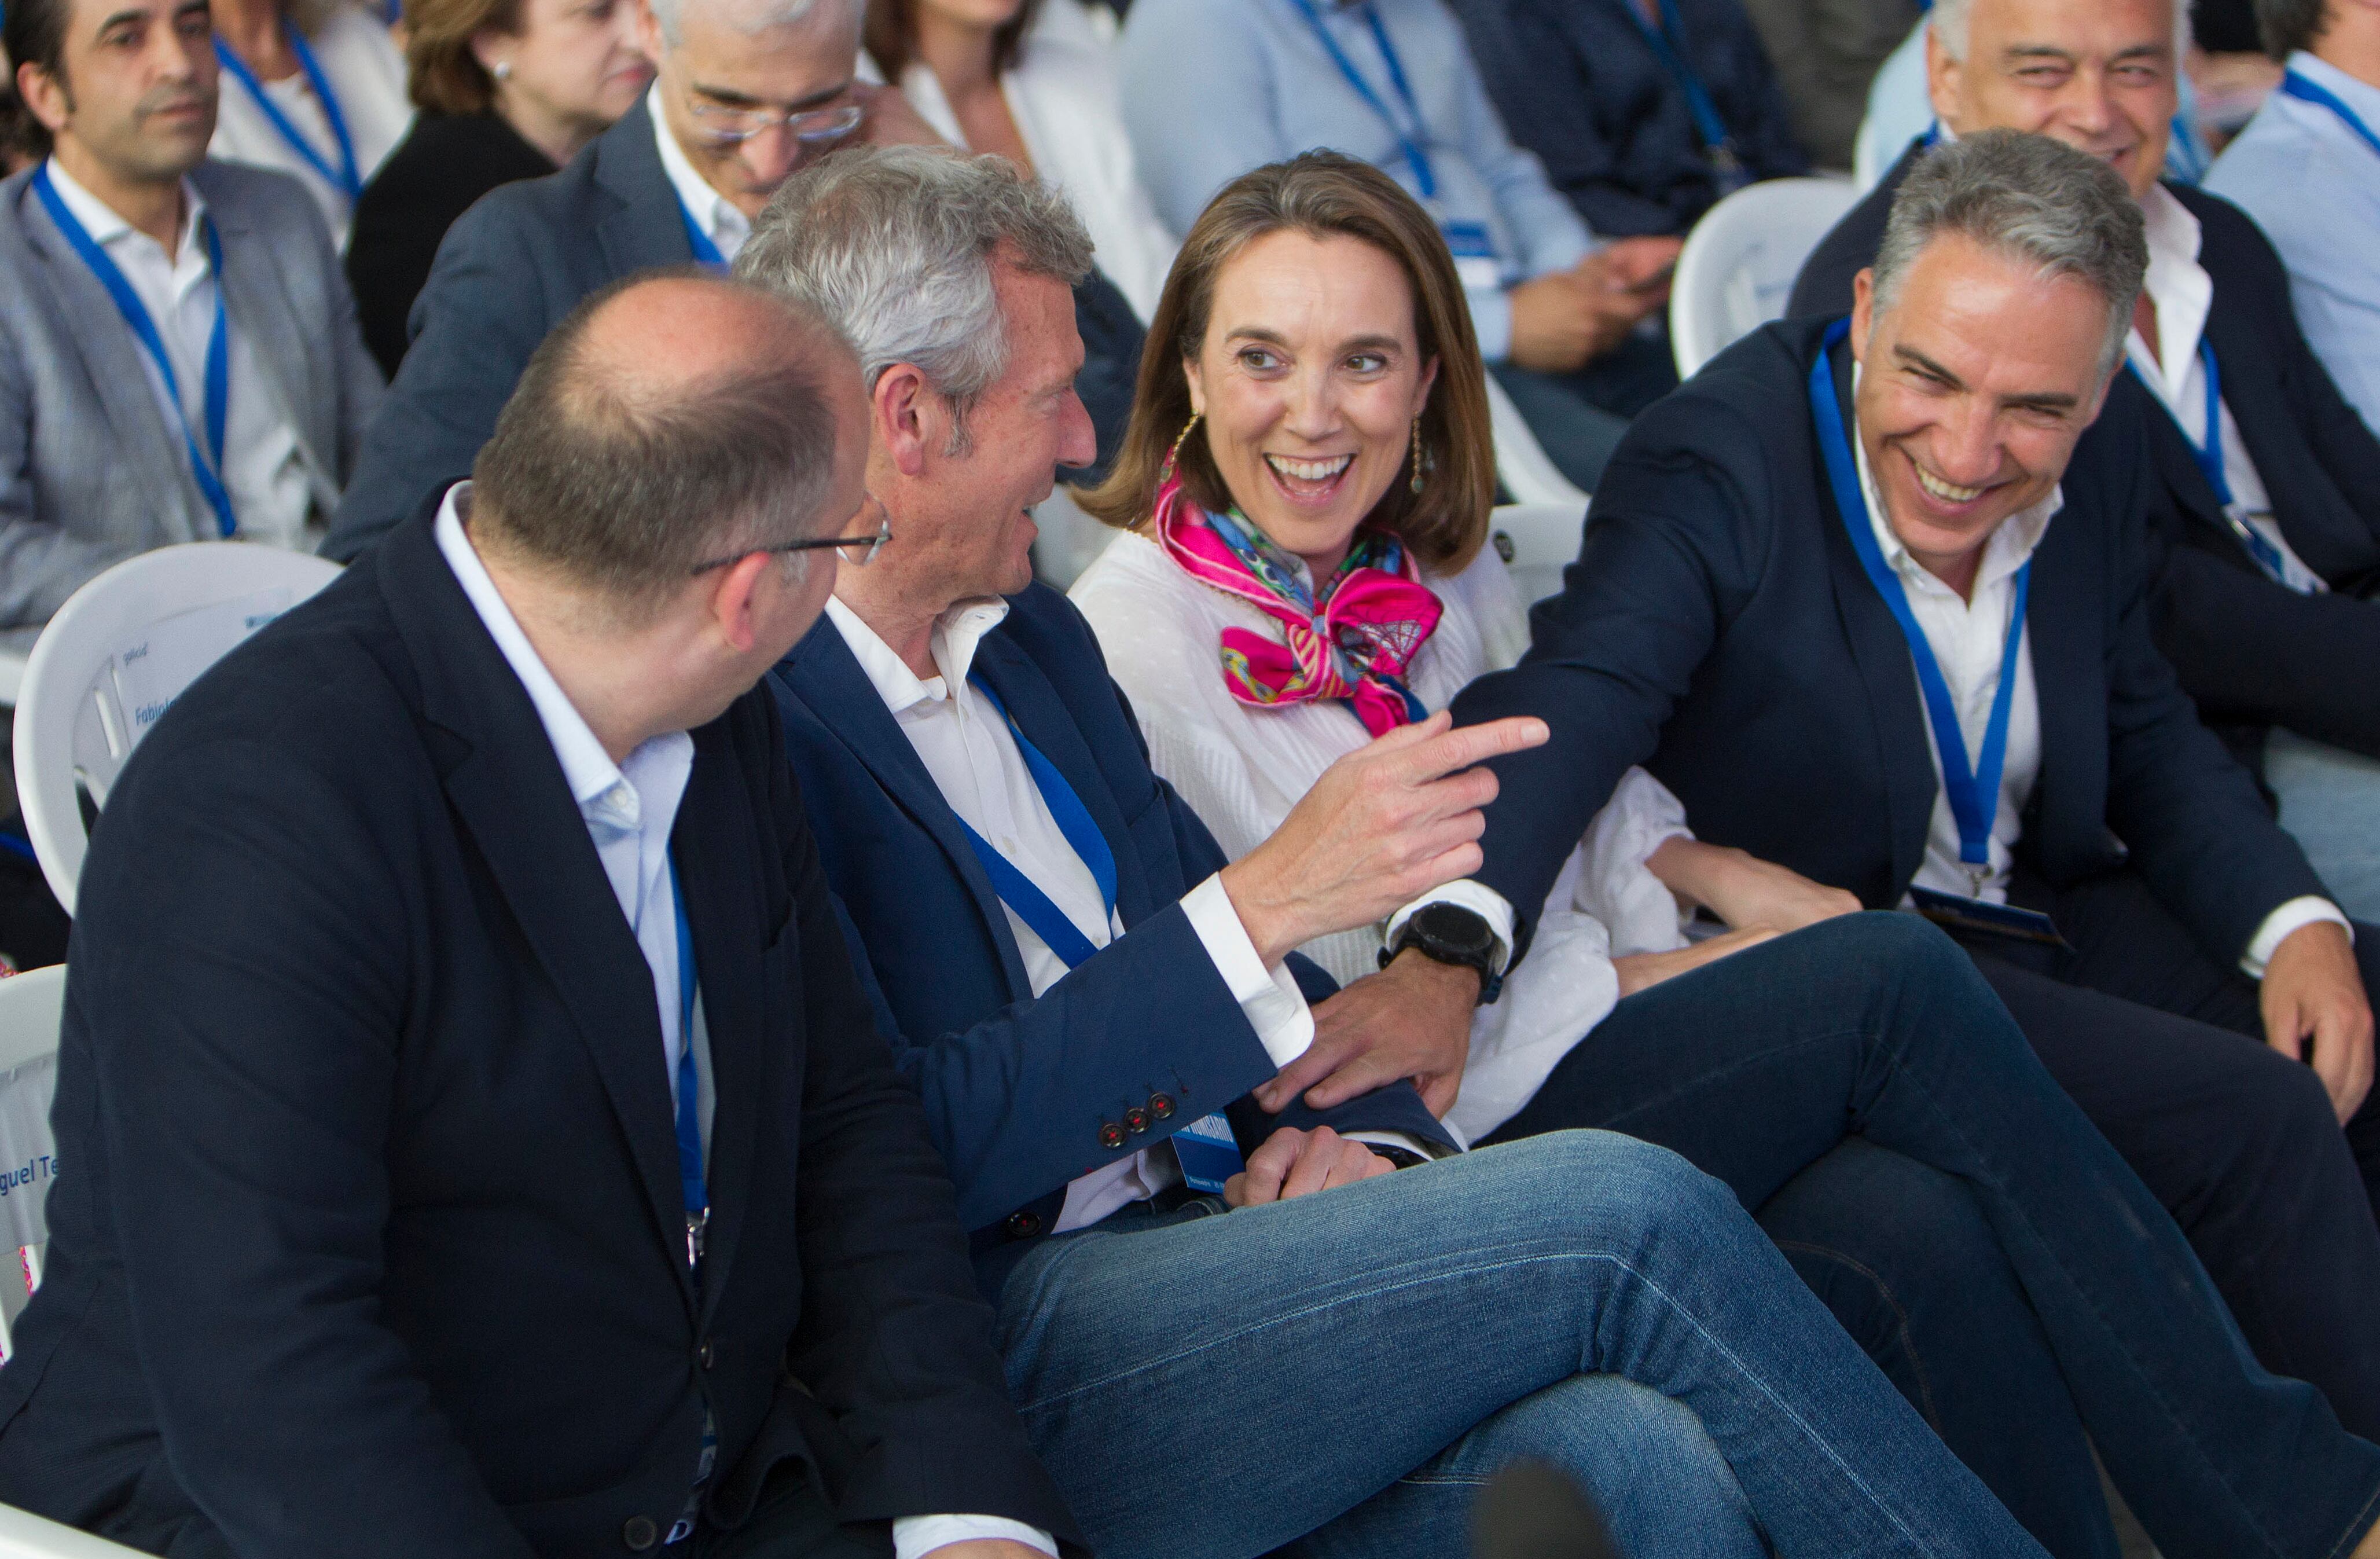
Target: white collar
[(712, 212), (957, 634), (2179, 287), (586, 767), (105, 226), (2011, 544)]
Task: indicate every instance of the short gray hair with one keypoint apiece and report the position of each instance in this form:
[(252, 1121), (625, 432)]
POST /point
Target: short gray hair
[(894, 246), (748, 15), (2034, 200), (1948, 21), (2287, 26)]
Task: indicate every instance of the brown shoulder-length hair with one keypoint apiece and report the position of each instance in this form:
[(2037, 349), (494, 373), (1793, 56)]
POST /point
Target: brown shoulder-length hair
[(1322, 194), (446, 77), (890, 34)]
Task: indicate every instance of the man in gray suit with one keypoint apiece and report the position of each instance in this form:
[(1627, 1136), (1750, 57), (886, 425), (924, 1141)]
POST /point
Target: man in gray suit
[(180, 359)]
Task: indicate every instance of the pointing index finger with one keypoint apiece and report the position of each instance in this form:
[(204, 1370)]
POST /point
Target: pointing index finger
[(1467, 745)]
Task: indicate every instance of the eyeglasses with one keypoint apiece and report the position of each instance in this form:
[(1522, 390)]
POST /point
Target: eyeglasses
[(811, 126), (871, 546)]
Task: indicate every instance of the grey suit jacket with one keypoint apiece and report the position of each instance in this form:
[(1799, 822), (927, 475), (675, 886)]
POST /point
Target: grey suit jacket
[(91, 471), (508, 272)]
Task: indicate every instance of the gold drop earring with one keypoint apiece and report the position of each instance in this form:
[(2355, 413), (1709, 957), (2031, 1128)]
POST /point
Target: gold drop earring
[(1419, 468), (1174, 455)]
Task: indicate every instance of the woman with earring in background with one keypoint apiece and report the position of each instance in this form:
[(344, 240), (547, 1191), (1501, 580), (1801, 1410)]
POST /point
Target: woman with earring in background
[(507, 90), (314, 89)]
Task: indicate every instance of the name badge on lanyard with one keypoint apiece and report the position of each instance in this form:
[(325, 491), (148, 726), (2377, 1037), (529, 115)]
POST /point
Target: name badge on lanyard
[(1203, 1146), (206, 465), (2208, 453), (1973, 790)]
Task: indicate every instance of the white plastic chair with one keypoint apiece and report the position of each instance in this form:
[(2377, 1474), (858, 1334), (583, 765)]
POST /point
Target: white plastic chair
[(1527, 472), (12, 676), (30, 1008), (115, 656), (26, 1536), (1737, 269), (1537, 542)]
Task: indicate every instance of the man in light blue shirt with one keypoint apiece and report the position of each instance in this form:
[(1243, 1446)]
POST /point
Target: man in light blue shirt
[(1571, 324), (2308, 169)]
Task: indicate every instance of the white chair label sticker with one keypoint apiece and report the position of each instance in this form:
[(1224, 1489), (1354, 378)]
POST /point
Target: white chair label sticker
[(149, 675), (28, 1161)]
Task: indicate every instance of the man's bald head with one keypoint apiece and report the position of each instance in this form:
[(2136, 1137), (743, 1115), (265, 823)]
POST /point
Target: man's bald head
[(669, 420)]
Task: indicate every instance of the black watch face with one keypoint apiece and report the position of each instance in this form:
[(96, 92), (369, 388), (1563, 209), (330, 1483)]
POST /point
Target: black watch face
[(1454, 929)]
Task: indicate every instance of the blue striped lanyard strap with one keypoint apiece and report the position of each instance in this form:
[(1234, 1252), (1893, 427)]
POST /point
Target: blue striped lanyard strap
[(206, 465), (1668, 41), (2208, 453), (2308, 91), (1413, 134), (1973, 791), (1019, 891), (346, 177), (693, 1188)]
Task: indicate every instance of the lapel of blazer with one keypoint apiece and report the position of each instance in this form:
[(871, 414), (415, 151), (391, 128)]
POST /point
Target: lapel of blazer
[(2062, 615), (1043, 715), (257, 288), (1885, 668), (716, 847), (119, 379), (506, 787), (822, 670), (648, 228)]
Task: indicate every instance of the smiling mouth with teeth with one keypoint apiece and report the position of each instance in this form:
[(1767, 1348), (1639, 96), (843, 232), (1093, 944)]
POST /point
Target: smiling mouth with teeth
[(1313, 473), (1943, 489)]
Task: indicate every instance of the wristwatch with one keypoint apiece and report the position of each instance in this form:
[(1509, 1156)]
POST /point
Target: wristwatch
[(1451, 934)]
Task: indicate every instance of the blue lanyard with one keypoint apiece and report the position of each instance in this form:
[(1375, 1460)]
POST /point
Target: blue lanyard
[(1974, 793), (2209, 455), (692, 1189), (2304, 90), (1411, 141), (144, 330), (1668, 44), (1019, 891), (348, 178), (705, 253)]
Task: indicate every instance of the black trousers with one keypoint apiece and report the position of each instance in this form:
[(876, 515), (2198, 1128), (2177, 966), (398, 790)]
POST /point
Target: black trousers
[(2161, 1042)]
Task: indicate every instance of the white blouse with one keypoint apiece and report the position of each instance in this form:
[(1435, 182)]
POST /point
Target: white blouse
[(1062, 93), (366, 73), (1241, 769)]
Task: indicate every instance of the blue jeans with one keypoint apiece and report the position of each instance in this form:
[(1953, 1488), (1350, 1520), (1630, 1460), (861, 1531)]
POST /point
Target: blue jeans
[(1209, 1386), (1878, 1024), (2330, 804)]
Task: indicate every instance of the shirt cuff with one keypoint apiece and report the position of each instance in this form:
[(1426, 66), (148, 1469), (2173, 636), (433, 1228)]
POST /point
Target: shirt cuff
[(917, 1536), (2296, 912), (1270, 999), (1491, 320), (1477, 898)]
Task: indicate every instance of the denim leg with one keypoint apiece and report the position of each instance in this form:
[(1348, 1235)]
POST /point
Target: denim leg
[(1877, 1024), (1307, 1354), (1907, 1262), (2330, 804), (1644, 1460)]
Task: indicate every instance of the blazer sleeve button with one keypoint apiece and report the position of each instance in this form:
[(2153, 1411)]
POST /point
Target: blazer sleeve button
[(1024, 1226), (1110, 1136), (1135, 1120), (1161, 1106), (639, 1533)]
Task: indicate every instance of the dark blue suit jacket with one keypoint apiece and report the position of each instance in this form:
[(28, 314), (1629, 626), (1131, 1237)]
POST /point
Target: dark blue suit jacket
[(1578, 84), (1718, 629), (1017, 1090), (522, 259), (2252, 652), (370, 1239)]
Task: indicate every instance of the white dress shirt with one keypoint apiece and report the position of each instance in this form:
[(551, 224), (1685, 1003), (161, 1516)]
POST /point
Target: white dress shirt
[(264, 469), (711, 212), (629, 809), (973, 759), (1242, 767), (2183, 293), (366, 72)]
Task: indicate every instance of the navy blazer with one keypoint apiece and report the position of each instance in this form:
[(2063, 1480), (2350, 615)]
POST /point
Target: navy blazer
[(1717, 628), (1018, 1090), (525, 256), (370, 1239), (1579, 84), (2253, 652)]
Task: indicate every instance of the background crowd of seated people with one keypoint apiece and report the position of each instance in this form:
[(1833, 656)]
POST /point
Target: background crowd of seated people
[(1231, 964)]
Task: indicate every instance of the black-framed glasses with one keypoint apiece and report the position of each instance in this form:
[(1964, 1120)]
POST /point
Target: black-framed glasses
[(869, 547)]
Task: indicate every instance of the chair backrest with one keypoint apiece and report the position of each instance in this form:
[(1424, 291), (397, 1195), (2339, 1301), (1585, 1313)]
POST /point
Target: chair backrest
[(30, 1008), (112, 660), (1737, 269), (26, 1536), (1537, 542), (1523, 468)]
